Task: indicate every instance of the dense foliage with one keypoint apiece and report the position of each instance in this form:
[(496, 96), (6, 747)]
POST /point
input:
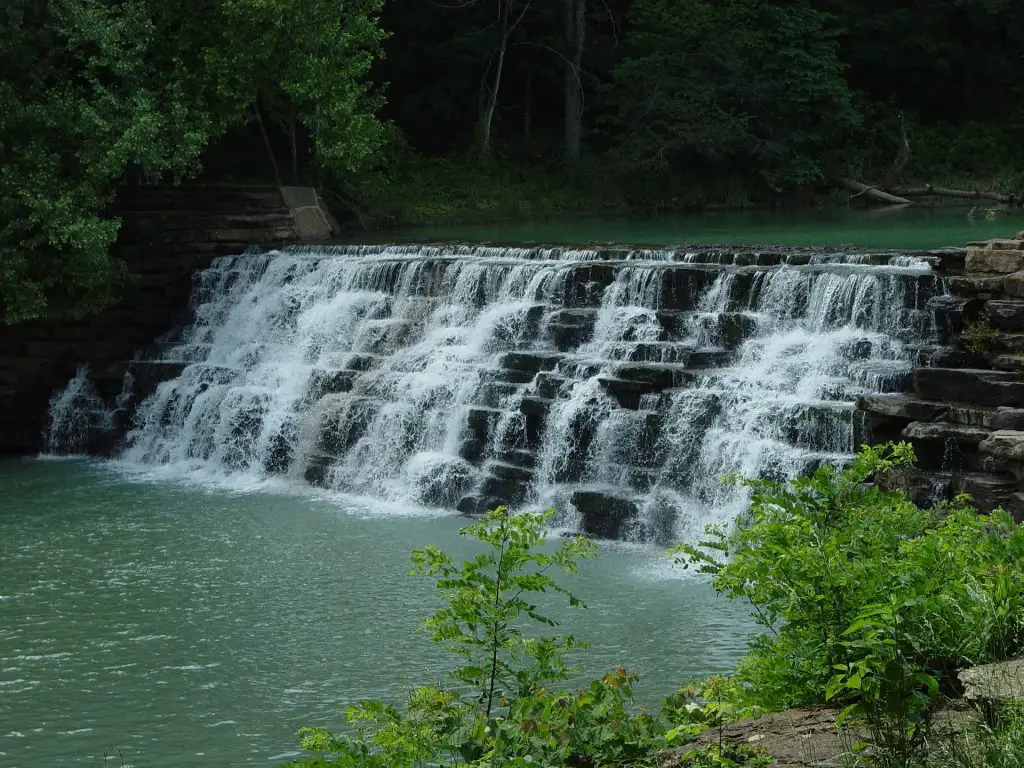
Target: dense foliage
[(95, 93), (865, 601), (491, 109)]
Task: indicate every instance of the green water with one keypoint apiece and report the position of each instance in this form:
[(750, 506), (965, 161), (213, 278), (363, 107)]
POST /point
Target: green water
[(194, 627), (915, 227)]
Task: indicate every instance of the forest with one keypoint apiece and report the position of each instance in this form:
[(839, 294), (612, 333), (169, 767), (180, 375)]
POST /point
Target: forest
[(417, 111)]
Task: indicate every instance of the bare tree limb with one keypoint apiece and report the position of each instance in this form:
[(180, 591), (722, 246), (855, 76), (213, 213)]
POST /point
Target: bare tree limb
[(871, 193), (967, 194)]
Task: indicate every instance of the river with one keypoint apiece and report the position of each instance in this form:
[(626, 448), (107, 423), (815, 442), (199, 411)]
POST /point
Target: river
[(191, 626)]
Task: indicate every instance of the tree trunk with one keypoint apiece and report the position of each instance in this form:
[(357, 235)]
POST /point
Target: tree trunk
[(966, 194), (487, 118), (266, 143), (575, 31), (528, 107), (293, 129)]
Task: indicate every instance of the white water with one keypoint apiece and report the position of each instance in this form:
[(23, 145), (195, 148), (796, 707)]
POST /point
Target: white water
[(370, 371)]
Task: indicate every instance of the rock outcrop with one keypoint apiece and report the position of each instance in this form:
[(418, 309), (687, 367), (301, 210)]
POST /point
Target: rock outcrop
[(167, 234), (966, 420)]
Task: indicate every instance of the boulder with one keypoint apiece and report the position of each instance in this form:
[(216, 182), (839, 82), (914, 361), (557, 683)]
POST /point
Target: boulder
[(1013, 285), (1006, 314), (902, 407), (1002, 681), (604, 516), (509, 472), (987, 491), (1001, 261), (476, 505), (438, 480), (1004, 445), (977, 284), (965, 385)]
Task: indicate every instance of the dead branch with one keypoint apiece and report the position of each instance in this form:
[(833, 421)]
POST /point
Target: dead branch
[(871, 193), (967, 194)]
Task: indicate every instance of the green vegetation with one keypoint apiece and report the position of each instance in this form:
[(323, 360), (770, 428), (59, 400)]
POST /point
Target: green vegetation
[(980, 336), (410, 112), (866, 603), (95, 93)]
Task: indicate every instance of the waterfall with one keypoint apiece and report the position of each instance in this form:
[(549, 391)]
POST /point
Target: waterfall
[(618, 386), (72, 412)]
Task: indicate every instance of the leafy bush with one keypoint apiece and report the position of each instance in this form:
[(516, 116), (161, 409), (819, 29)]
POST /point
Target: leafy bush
[(864, 599), (500, 710), (980, 336)]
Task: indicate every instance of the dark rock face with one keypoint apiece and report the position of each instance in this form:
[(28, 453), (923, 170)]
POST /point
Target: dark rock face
[(167, 234), (980, 387), (1005, 314), (604, 516)]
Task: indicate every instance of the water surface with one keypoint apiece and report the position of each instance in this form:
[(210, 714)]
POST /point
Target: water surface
[(187, 626), (913, 227)]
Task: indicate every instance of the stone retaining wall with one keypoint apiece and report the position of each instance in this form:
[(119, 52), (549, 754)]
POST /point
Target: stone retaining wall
[(167, 234), (966, 419)]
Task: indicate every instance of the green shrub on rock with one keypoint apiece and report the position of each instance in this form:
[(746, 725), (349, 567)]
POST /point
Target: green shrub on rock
[(864, 599)]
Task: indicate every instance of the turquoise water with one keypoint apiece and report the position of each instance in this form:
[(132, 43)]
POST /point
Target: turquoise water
[(915, 227), (187, 626)]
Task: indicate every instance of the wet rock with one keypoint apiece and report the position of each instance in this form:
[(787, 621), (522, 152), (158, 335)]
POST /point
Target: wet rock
[(535, 411), (569, 328), (518, 457), (476, 505), (472, 450), (439, 480), (953, 313), (976, 284), (317, 469), (550, 385), (923, 487), (975, 386), (585, 284), (1004, 445), (902, 407), (940, 445), (1015, 506), (1007, 315), (507, 491), (149, 374), (530, 362), (509, 472), (327, 382), (479, 420), (604, 516), (987, 491)]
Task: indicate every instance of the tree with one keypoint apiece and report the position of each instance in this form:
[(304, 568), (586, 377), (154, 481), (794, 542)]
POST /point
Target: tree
[(737, 84), (94, 88)]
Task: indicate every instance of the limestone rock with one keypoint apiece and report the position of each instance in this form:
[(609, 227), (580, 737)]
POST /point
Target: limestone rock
[(1013, 284), (1000, 261), (1006, 314), (975, 284), (1001, 681), (902, 407), (604, 516), (987, 491), (1004, 445), (963, 434), (979, 387)]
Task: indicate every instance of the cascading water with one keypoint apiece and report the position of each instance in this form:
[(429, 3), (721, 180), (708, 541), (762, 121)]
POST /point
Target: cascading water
[(617, 386), (72, 412)]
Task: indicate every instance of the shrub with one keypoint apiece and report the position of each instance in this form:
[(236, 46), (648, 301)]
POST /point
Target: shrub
[(500, 710), (864, 599)]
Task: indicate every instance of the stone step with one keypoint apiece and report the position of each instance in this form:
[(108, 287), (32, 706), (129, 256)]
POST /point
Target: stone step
[(1006, 314), (964, 385), (944, 446), (529, 361), (987, 491), (326, 381), (899, 406), (604, 515), (479, 421)]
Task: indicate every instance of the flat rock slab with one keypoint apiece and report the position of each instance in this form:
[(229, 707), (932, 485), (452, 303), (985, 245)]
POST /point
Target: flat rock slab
[(802, 738), (974, 386), (901, 407), (1002, 681), (1004, 444)]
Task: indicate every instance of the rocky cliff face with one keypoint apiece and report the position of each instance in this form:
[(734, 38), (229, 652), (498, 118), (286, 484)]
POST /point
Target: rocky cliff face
[(965, 415), (168, 233)]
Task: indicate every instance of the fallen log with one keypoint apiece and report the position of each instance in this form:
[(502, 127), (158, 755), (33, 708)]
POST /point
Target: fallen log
[(969, 194), (872, 193)]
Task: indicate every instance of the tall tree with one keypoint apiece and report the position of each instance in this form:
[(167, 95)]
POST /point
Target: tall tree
[(575, 34)]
